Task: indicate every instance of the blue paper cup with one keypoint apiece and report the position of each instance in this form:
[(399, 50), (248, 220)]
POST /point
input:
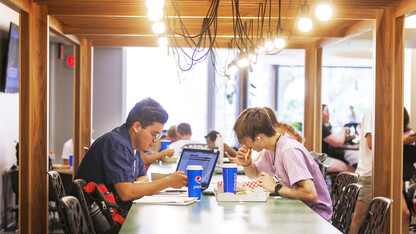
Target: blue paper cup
[(71, 159), (194, 173), (229, 174), (164, 144)]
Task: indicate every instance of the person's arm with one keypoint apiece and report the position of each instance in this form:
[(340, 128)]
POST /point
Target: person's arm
[(249, 167), (336, 140), (128, 191), (305, 192), (142, 179), (369, 139), (147, 159), (230, 151)]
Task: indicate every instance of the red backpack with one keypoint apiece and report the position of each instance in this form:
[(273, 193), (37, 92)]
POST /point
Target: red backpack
[(105, 214)]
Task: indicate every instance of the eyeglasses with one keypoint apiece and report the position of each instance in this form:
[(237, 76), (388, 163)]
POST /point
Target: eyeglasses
[(156, 136)]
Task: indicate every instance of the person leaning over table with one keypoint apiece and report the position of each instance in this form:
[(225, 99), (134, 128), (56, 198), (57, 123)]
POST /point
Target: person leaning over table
[(229, 151), (298, 174), (114, 158)]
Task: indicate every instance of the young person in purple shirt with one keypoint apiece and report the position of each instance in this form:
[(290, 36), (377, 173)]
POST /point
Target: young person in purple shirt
[(284, 158)]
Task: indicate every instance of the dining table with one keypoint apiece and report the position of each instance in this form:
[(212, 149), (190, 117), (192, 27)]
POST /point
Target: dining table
[(275, 215)]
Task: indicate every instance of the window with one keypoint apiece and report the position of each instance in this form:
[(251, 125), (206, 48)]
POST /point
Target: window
[(150, 73)]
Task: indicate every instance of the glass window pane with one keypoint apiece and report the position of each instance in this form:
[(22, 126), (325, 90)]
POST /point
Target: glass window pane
[(150, 73)]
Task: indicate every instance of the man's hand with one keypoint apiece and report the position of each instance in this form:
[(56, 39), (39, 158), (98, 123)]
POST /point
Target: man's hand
[(168, 152), (267, 182), (178, 179)]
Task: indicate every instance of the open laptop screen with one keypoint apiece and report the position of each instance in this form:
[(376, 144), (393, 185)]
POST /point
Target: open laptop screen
[(205, 158)]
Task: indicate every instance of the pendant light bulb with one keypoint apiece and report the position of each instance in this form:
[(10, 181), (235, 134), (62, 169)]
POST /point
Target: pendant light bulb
[(158, 27), (305, 24), (323, 12)]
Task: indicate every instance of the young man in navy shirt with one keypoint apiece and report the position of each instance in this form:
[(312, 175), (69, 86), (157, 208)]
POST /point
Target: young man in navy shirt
[(114, 159)]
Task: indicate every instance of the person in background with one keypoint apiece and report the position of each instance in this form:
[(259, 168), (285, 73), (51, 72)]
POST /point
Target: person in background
[(184, 133), (68, 149), (365, 170), (298, 175), (331, 143), (229, 151), (409, 136), (150, 157), (352, 118), (114, 159), (172, 134), (335, 165)]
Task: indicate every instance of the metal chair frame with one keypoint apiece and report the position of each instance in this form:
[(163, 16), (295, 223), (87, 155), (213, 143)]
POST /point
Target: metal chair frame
[(343, 213), (342, 180), (376, 215), (79, 185), (75, 217)]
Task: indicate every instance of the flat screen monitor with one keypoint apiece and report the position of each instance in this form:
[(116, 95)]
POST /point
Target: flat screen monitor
[(11, 73)]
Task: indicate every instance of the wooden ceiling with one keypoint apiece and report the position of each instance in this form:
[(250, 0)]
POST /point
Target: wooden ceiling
[(125, 22)]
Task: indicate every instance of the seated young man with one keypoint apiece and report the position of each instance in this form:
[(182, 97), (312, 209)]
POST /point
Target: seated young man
[(114, 159), (284, 158)]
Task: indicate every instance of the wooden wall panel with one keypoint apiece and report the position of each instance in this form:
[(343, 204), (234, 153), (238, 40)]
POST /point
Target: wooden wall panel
[(312, 123), (33, 205), (388, 119), (82, 99)]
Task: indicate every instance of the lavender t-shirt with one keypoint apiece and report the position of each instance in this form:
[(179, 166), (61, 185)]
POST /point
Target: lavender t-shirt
[(293, 163)]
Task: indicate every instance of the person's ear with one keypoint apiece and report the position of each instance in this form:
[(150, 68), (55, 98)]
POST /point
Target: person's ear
[(136, 126)]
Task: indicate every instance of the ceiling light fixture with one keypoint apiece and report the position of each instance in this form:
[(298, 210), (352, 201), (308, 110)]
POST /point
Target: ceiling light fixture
[(158, 27), (304, 23), (324, 11), (155, 14)]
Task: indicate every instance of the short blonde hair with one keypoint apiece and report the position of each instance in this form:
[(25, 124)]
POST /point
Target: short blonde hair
[(251, 122), (288, 128)]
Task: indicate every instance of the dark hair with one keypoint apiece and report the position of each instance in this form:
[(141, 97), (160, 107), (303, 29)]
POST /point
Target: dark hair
[(146, 112), (323, 106), (406, 121), (212, 135), (272, 116), (251, 122), (184, 129)]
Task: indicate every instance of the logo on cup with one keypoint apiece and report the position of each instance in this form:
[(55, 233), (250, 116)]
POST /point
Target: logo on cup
[(198, 179)]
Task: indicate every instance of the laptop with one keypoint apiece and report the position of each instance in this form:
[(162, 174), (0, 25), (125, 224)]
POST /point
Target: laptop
[(205, 158)]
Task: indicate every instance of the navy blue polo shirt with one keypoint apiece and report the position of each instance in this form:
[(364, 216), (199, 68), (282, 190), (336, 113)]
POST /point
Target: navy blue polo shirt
[(111, 159)]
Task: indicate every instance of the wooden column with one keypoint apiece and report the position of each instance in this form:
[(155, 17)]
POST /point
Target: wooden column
[(388, 118), (33, 186), (82, 100), (312, 127)]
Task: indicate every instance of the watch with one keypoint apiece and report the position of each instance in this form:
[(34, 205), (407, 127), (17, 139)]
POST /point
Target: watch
[(277, 188)]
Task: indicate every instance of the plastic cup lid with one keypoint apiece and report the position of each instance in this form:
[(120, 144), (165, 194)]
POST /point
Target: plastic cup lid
[(194, 167), (229, 165)]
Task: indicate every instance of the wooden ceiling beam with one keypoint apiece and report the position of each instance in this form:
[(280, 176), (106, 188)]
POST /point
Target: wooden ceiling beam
[(89, 9), (404, 7), (151, 41)]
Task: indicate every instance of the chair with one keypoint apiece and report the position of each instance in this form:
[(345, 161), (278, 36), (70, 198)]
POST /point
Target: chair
[(343, 180), (376, 215), (75, 217), (14, 174), (343, 213), (58, 192), (319, 159), (196, 146), (79, 185)]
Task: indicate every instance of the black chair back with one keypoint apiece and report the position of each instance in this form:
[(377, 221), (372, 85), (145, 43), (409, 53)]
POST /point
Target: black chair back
[(75, 218), (376, 215), (58, 192), (343, 213), (341, 182), (79, 191)]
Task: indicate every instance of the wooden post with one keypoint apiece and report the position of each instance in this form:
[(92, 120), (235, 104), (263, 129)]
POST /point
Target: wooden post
[(388, 118), (313, 111), (33, 182), (82, 100)]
